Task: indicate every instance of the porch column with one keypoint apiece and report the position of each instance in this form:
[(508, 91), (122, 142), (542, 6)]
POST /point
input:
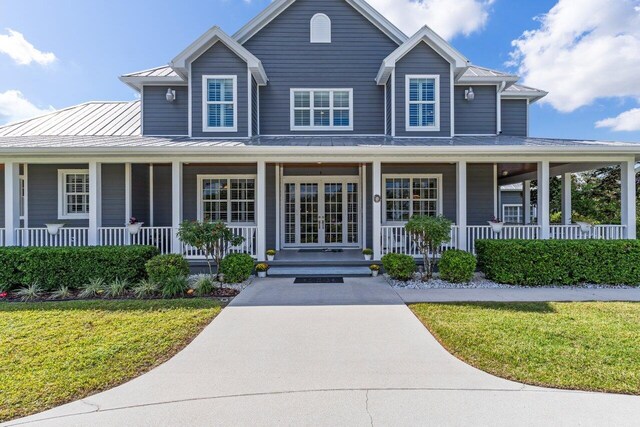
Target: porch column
[(526, 201), (543, 199), (376, 178), (628, 205), (461, 204), (261, 210), (127, 199), (176, 204), (95, 202), (566, 199), (11, 202)]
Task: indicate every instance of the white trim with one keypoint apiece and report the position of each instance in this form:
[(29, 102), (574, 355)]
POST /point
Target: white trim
[(376, 179), (190, 106), (565, 185), (411, 176), (127, 193), (499, 90), (363, 187), (249, 104), (11, 201), (320, 35), (142, 110), (513, 205), (260, 214), (386, 125), (528, 103), (452, 118), (62, 194), (25, 174), (176, 203), (461, 204), (436, 103), (205, 103), (278, 171), (628, 199), (312, 108), (393, 103), (201, 177), (95, 202), (543, 199), (496, 191), (258, 112), (151, 202)]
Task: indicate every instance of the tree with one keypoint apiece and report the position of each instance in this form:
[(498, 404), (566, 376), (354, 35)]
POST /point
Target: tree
[(213, 239), (429, 233)]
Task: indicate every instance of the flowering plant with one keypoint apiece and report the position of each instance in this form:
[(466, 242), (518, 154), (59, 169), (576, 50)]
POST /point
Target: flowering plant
[(262, 267), (3, 294), (133, 220), (495, 220)]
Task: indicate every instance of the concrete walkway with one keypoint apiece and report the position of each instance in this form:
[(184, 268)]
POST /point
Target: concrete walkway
[(351, 354)]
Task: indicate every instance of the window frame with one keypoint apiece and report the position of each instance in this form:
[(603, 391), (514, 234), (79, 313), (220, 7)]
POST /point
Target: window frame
[(62, 194), (411, 177), (436, 103), (311, 108), (229, 200), (206, 103), (520, 207), (322, 37)]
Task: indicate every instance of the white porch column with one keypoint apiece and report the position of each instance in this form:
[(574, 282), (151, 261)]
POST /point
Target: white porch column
[(628, 205), (526, 201), (176, 204), (11, 202), (461, 204), (376, 190), (127, 199), (543, 199), (566, 198), (261, 210), (95, 202)]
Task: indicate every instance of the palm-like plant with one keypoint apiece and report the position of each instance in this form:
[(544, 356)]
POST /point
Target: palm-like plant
[(30, 292), (94, 288)]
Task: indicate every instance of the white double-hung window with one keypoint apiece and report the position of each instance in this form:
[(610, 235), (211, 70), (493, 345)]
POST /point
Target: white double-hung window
[(219, 103), (227, 198), (422, 95), (409, 195), (73, 193), (322, 109)]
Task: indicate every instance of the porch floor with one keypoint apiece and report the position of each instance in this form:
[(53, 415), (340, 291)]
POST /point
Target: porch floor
[(318, 255)]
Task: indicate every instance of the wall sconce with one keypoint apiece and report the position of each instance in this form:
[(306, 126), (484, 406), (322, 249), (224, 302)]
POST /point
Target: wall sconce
[(171, 95), (377, 198), (469, 95)]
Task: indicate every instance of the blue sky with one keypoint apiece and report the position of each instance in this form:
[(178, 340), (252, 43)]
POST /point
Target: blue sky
[(95, 42)]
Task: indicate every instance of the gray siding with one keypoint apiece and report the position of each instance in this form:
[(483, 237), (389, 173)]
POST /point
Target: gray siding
[(255, 130), (423, 60), (510, 198), (160, 117), (113, 199), (219, 60), (351, 60), (480, 193), (2, 196), (514, 117), (162, 195), (478, 116), (328, 170), (140, 192), (271, 206)]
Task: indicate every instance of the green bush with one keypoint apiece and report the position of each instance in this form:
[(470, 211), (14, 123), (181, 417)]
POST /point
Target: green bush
[(399, 266), (560, 262), (163, 268), (236, 268), (52, 268), (457, 266), (174, 286)]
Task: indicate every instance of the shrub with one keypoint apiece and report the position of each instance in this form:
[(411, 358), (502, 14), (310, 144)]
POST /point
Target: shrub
[(174, 286), (204, 286), (560, 262), (94, 288), (30, 292), (145, 289), (116, 288), (399, 266), (457, 266), (63, 292), (165, 267), (428, 233), (236, 268), (367, 251)]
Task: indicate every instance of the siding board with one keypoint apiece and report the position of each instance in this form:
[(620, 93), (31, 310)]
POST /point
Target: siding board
[(478, 116), (165, 118), (113, 195), (514, 117)]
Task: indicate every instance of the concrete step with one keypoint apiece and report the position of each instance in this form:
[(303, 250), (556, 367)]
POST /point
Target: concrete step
[(292, 271)]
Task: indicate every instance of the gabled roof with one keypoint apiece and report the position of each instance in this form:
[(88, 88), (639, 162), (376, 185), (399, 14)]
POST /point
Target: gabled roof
[(278, 6), (88, 119), (158, 75), (181, 62), (428, 36), (521, 91), (475, 74)]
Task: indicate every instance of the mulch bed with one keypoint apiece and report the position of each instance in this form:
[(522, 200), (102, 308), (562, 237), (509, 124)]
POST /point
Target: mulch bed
[(217, 293)]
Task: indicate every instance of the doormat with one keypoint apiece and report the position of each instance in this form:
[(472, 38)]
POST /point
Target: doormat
[(319, 250), (308, 280)]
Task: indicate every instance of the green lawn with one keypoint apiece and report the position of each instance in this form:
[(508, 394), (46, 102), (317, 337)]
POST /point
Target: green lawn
[(585, 346), (53, 353)]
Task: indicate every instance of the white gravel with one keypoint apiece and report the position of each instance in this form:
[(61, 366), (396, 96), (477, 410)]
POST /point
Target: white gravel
[(193, 279)]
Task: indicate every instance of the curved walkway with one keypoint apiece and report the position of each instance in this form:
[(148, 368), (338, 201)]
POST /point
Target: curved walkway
[(348, 354)]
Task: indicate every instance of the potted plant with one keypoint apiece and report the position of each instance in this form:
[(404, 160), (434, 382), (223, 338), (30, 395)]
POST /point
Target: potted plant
[(585, 227), (496, 225), (134, 226), (53, 229), (262, 269), (375, 269), (271, 253), (368, 253)]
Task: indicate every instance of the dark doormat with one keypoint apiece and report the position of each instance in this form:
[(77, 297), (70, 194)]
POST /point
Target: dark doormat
[(308, 280), (318, 250)]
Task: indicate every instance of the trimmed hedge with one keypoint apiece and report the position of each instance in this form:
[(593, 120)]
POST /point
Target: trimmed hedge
[(164, 268), (560, 262), (236, 267), (72, 266), (399, 266), (457, 266)]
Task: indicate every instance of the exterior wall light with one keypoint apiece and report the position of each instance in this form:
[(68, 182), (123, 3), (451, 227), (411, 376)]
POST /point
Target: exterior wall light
[(469, 95), (171, 95)]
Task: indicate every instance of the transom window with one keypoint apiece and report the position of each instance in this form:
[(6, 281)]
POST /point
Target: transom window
[(73, 194), (229, 199), (422, 102), (321, 109), (406, 196), (219, 103)]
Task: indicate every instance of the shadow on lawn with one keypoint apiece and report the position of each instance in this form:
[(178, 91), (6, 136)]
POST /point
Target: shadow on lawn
[(516, 307)]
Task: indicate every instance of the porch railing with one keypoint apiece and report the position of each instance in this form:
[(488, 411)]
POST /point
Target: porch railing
[(248, 246), (574, 232), (478, 232), (66, 236), (160, 237), (396, 239)]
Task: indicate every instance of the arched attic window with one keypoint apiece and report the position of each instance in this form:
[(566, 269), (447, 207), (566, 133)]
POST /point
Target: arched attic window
[(320, 28)]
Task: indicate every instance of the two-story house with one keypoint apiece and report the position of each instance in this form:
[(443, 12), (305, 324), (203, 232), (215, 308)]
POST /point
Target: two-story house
[(318, 124)]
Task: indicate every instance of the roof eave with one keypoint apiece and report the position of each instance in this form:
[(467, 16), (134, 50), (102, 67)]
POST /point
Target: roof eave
[(137, 83)]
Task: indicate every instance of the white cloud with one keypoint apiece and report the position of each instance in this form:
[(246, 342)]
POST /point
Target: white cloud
[(446, 17), (627, 121), (583, 50), (15, 107), (21, 51)]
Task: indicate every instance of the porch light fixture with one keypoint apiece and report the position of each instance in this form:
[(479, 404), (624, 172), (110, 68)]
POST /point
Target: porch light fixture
[(469, 95), (171, 95)]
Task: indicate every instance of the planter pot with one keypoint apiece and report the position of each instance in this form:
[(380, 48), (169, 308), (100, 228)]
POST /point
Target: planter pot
[(53, 229), (270, 257), (262, 274), (496, 227), (374, 273), (134, 228), (585, 227), (367, 257)]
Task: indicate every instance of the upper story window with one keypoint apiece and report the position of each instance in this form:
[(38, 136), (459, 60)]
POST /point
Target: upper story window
[(422, 96), (320, 28), (73, 194), (322, 109), (219, 103)]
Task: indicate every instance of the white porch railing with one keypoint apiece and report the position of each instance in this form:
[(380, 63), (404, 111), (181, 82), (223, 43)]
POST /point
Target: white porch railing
[(574, 232), (71, 236), (395, 239), (478, 232), (160, 237), (2, 239), (248, 246)]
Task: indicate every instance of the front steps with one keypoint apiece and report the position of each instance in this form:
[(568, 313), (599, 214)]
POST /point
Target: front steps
[(319, 271)]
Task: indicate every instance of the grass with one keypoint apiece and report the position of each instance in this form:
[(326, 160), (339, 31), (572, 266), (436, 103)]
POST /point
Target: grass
[(582, 346), (54, 353)]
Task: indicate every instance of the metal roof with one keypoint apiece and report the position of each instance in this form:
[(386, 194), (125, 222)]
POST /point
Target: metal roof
[(522, 91), (476, 71), (162, 71), (91, 118), (512, 187)]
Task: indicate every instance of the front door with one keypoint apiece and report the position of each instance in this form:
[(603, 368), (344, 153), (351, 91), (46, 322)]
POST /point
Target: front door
[(320, 212)]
